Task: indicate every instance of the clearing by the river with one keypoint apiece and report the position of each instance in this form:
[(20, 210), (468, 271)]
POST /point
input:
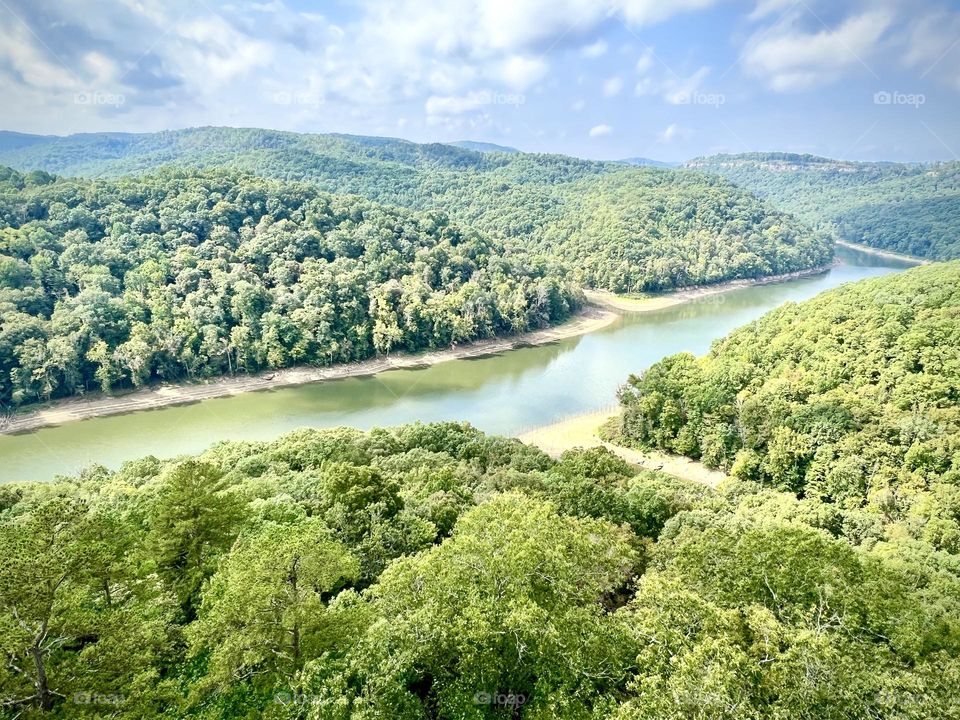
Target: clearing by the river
[(581, 432)]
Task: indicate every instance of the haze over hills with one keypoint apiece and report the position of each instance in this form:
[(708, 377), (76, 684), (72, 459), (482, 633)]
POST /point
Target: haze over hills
[(483, 146), (14, 140), (905, 207), (618, 227), (642, 161)]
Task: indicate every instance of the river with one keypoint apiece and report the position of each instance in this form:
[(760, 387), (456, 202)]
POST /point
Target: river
[(504, 394)]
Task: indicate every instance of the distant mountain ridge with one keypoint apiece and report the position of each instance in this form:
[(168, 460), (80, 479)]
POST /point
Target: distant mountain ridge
[(911, 208), (785, 161), (10, 140), (483, 146), (647, 162), (114, 154)]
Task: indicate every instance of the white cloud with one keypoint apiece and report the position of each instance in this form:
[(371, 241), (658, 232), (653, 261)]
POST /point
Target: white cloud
[(612, 86), (578, 105), (449, 78), (481, 28), (678, 91), (103, 70), (521, 72), (646, 86), (593, 50), (18, 49), (930, 46), (647, 12), (645, 62), (788, 58), (220, 52), (674, 89), (179, 63), (672, 132), (667, 83), (600, 131), (506, 41), (455, 105), (766, 7)]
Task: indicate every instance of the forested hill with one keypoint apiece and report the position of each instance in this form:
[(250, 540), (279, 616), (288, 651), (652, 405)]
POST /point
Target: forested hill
[(619, 227), (909, 208), (191, 274), (852, 397)]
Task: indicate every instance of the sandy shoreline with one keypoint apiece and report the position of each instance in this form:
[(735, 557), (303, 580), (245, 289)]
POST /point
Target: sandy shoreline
[(650, 303), (581, 431), (888, 254), (602, 310)]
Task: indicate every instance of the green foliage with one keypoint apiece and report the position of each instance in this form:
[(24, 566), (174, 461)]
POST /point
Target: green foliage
[(616, 226), (508, 606), (907, 208), (185, 275), (191, 523), (756, 617), (81, 628), (430, 571), (851, 397), (264, 611)]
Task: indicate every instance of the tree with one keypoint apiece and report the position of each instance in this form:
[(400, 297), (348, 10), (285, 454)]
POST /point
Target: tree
[(303, 278), (264, 610), (74, 620), (191, 523), (510, 606), (44, 556)]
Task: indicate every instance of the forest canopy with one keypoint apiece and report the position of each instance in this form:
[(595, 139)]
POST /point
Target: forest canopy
[(430, 571), (852, 397), (618, 227), (193, 274), (910, 208)]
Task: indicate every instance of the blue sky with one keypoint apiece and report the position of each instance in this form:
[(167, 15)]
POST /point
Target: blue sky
[(667, 79)]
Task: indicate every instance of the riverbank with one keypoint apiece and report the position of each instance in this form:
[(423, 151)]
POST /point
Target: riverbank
[(590, 319), (886, 254), (651, 303), (602, 310), (581, 431)]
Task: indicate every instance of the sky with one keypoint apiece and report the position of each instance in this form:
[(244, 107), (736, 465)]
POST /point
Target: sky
[(665, 79)]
